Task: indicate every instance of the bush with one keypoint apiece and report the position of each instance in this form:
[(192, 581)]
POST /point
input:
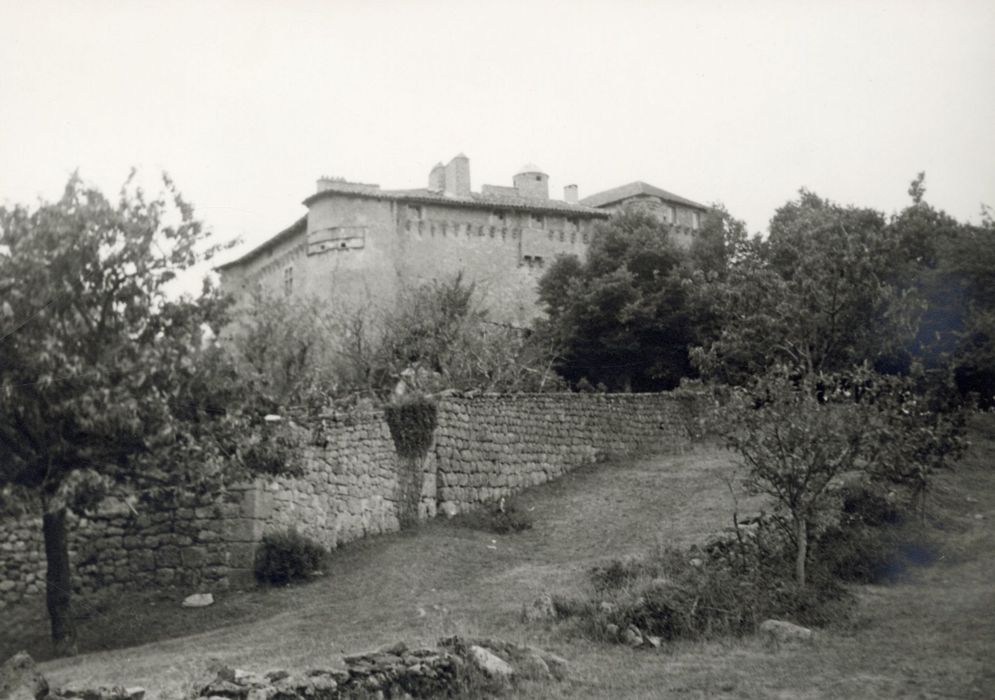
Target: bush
[(875, 540), (501, 517), (726, 588), (287, 555)]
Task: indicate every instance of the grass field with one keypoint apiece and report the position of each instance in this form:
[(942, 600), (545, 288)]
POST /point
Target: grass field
[(930, 636)]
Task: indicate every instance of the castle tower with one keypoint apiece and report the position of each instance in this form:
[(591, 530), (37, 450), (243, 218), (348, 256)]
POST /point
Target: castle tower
[(458, 176), (532, 182)]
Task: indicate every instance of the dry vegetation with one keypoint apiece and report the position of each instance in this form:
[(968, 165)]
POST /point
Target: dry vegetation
[(929, 635)]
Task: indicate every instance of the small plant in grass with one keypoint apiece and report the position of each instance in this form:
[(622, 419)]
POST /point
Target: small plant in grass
[(287, 555), (502, 517)]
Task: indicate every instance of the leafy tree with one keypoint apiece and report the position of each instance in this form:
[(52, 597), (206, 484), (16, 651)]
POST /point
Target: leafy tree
[(438, 336), (624, 315), (813, 296), (793, 446), (951, 267), (287, 350), (105, 381)]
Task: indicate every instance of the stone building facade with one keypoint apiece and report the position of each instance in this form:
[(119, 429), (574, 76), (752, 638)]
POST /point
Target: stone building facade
[(361, 244), (683, 216)]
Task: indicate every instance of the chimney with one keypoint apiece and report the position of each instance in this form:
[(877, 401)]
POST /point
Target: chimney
[(458, 176), (437, 178), (570, 194)]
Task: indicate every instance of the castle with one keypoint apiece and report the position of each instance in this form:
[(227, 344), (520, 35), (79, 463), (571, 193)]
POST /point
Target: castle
[(359, 244)]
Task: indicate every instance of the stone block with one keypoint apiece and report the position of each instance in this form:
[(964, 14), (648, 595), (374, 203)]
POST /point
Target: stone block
[(167, 557), (243, 530), (193, 557), (242, 554)]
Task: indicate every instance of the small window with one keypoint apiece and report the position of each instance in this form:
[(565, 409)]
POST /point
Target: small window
[(538, 178), (695, 220), (288, 281)]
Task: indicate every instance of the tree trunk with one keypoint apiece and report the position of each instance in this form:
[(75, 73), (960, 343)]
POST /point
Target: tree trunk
[(801, 541), (58, 582)]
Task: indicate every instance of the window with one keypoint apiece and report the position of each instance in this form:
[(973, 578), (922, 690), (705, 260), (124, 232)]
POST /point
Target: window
[(341, 238), (532, 261), (288, 280), (695, 220)]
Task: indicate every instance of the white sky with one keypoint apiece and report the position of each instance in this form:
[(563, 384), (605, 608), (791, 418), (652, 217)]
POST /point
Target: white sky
[(246, 103)]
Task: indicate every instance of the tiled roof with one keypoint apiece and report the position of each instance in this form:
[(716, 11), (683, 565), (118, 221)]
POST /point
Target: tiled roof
[(475, 200), (634, 189), (299, 226)]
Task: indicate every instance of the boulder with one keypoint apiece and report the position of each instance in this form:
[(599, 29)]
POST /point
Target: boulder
[(490, 663), (20, 680), (632, 637), (198, 600), (781, 632), (557, 665)]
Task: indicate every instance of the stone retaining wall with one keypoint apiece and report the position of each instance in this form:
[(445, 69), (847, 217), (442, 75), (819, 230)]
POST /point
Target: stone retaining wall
[(117, 548), (492, 446), (353, 484)]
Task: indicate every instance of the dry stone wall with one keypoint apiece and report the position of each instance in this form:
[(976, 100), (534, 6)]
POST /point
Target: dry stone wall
[(351, 484), (116, 548), (492, 446)]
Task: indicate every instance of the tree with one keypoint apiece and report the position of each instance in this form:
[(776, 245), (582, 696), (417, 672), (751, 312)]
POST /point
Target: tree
[(798, 436), (951, 267), (438, 336), (793, 445), (624, 314), (814, 296), (105, 381)]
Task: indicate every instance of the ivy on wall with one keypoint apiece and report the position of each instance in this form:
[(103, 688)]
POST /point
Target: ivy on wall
[(412, 423)]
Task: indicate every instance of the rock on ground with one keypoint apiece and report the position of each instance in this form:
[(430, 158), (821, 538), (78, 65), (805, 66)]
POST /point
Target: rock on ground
[(198, 600), (20, 680), (490, 663), (780, 631)]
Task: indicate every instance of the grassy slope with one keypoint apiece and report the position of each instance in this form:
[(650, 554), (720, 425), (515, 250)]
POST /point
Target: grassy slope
[(932, 635)]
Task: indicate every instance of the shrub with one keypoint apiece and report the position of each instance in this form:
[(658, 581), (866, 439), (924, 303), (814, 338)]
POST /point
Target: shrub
[(501, 517), (287, 555), (725, 588), (875, 540)]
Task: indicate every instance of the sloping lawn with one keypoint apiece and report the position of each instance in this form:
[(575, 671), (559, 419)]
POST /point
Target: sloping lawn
[(932, 635)]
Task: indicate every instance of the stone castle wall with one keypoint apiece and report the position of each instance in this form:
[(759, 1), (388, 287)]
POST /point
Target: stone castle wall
[(352, 484)]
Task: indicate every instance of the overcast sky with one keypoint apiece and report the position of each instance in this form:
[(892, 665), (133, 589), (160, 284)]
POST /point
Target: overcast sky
[(246, 103)]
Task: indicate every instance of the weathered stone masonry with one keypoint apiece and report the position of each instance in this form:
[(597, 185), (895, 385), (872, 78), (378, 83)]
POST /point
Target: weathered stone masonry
[(352, 485)]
